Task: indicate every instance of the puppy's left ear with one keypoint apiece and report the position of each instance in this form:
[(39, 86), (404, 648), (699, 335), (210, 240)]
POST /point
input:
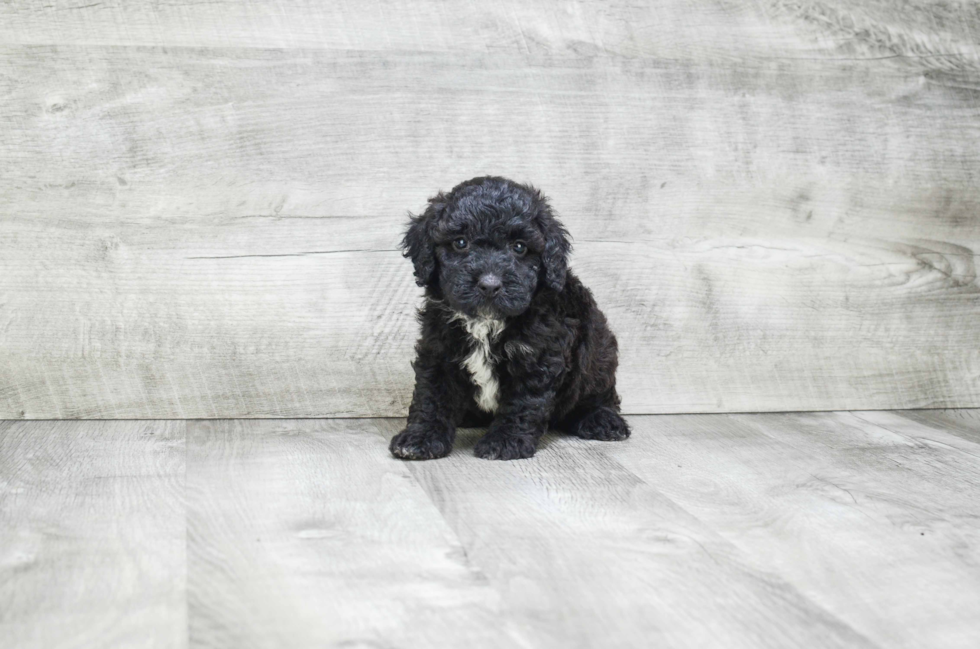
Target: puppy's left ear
[(556, 247), (418, 244)]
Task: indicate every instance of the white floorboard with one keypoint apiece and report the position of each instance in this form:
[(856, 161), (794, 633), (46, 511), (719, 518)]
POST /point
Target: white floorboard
[(843, 529)]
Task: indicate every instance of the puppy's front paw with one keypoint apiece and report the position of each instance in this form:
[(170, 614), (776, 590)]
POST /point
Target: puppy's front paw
[(604, 424), (495, 446), (418, 443)]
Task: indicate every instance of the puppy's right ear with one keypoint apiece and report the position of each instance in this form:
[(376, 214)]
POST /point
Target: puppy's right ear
[(418, 244)]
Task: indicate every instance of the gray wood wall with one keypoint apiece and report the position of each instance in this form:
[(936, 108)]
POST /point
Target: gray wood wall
[(776, 203)]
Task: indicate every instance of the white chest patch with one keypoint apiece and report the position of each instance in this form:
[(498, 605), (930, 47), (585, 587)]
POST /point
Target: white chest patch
[(480, 363)]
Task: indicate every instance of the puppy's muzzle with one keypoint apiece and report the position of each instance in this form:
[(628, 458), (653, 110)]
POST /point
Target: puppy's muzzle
[(489, 285)]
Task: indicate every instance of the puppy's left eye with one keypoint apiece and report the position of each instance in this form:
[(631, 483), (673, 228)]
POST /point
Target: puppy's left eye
[(459, 243), (519, 247)]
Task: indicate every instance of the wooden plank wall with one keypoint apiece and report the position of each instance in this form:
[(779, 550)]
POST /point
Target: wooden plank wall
[(200, 203)]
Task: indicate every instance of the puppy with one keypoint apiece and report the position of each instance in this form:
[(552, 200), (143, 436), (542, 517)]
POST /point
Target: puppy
[(511, 339)]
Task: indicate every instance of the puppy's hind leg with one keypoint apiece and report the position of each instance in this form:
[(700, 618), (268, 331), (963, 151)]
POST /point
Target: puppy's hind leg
[(601, 423)]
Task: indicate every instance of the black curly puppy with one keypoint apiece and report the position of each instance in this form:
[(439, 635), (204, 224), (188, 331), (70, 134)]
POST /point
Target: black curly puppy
[(510, 337)]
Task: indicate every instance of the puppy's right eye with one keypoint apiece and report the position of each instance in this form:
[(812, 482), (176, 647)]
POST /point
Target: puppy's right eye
[(459, 243)]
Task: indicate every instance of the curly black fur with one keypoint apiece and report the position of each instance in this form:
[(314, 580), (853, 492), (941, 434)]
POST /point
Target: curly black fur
[(510, 337)]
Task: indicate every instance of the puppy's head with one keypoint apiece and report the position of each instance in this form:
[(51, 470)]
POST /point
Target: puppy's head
[(488, 246)]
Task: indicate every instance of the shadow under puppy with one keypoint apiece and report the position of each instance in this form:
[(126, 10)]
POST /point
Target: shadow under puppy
[(510, 337)]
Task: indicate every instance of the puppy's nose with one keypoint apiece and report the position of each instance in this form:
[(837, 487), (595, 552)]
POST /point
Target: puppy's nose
[(489, 284)]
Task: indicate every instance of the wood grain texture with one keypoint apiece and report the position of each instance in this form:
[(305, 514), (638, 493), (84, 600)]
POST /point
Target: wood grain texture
[(574, 29), (308, 534), (871, 515), (729, 531), (586, 554), (963, 423), (782, 218), (92, 535), (945, 32)]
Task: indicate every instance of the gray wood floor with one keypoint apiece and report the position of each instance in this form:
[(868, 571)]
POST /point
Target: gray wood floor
[(810, 530)]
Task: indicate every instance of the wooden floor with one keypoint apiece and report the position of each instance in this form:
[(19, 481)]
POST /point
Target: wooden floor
[(856, 529)]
